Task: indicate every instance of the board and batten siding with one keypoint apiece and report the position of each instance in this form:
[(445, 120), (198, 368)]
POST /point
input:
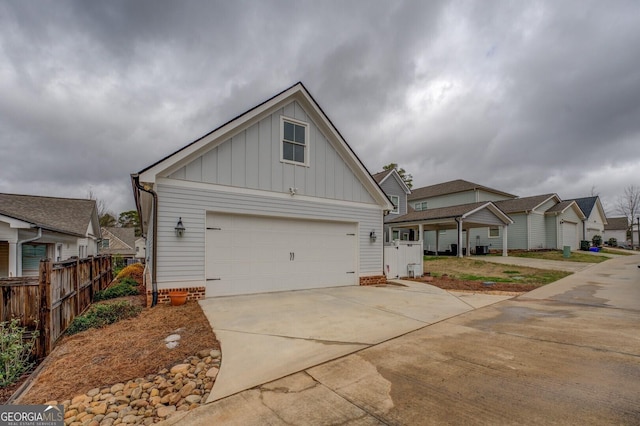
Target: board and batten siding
[(551, 229), (490, 196), (251, 159), (517, 236), (182, 259)]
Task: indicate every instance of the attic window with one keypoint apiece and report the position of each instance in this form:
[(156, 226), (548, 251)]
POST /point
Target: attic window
[(396, 203), (295, 140)]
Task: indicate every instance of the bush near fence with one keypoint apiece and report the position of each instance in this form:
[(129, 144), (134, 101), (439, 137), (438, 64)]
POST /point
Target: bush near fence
[(48, 303)]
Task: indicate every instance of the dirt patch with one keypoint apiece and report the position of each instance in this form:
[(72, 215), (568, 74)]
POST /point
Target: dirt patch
[(126, 350), (449, 283)]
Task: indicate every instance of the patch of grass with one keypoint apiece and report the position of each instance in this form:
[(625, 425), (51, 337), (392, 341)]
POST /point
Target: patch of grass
[(103, 314), (474, 270), (621, 252), (126, 287), (557, 255)]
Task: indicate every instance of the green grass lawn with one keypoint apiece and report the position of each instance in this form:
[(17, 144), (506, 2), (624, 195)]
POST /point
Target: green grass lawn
[(478, 270), (557, 255)]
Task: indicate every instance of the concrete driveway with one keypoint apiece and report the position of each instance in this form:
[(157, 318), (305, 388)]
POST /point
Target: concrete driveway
[(567, 353), (268, 336)]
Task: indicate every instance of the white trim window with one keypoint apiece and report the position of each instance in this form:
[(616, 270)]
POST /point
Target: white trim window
[(396, 203), (421, 206), (294, 141), (494, 232)]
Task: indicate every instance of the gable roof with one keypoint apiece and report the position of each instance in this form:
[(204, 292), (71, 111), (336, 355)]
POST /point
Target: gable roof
[(587, 204), (452, 187), (380, 177), (297, 92), (525, 204), (126, 235), (617, 224), (563, 206), (65, 215), (461, 210)]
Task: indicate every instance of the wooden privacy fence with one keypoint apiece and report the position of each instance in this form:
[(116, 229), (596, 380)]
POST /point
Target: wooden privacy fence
[(48, 303)]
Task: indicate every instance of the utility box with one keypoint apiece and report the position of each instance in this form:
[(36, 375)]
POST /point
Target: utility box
[(566, 252)]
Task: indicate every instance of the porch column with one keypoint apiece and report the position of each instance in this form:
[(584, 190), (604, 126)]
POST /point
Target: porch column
[(437, 240), (467, 245), (504, 240), (460, 238), (13, 260)]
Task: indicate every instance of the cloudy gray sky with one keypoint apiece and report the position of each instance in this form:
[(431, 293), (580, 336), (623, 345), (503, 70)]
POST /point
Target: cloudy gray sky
[(526, 97)]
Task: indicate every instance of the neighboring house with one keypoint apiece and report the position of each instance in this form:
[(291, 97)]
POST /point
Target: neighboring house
[(455, 193), (595, 217), (273, 200), (141, 251), (542, 222), (562, 225), (616, 227), (33, 228), (397, 192), (119, 242)]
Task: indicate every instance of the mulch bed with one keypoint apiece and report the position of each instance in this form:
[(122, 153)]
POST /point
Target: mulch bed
[(448, 283)]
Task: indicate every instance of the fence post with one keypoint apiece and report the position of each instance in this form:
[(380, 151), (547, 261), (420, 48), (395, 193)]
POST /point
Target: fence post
[(76, 287), (44, 285)]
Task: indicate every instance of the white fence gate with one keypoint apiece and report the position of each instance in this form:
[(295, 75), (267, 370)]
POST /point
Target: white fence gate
[(403, 259)]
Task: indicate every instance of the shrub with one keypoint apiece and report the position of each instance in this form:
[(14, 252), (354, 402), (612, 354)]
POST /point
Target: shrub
[(15, 351), (613, 242), (135, 271), (103, 314), (597, 240), (126, 287)]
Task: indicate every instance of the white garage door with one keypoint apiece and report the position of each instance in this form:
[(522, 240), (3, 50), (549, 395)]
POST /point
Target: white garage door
[(570, 235), (257, 254)]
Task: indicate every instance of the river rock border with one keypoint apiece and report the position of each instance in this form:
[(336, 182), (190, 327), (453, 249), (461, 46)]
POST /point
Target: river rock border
[(148, 400)]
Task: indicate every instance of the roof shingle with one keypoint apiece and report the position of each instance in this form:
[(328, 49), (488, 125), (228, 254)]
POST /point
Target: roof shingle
[(451, 187), (67, 215)]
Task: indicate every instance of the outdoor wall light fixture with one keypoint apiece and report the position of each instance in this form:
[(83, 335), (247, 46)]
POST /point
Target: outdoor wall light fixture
[(372, 236), (180, 228)]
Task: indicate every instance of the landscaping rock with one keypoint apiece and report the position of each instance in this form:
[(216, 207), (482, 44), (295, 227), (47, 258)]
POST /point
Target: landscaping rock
[(145, 401)]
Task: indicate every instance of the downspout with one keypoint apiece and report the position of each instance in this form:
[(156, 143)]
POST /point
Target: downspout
[(19, 251), (154, 251)]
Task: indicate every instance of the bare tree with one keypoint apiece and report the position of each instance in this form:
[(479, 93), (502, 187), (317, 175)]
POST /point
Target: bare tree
[(629, 205), (104, 215)]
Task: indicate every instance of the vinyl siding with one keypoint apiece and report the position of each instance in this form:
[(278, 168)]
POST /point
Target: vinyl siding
[(517, 234), (551, 223), (490, 196), (448, 200), (251, 159), (391, 187), (537, 233), (183, 259)]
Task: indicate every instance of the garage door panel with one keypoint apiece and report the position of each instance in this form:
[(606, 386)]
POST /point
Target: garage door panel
[(252, 254)]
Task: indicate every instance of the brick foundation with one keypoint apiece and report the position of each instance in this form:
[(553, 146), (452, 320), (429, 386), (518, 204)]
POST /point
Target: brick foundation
[(195, 293), (373, 280)]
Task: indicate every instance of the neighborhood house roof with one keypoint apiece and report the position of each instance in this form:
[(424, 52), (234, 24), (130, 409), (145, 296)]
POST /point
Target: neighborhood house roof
[(125, 240), (586, 204), (525, 204), (617, 223), (451, 187), (380, 176), (66, 215), (560, 207)]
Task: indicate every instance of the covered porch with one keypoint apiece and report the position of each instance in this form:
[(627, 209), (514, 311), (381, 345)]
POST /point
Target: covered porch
[(460, 219)]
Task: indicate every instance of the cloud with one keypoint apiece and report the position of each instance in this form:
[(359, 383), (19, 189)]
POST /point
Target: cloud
[(528, 98)]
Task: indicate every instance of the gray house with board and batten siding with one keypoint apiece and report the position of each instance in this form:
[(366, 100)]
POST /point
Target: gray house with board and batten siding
[(273, 200)]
